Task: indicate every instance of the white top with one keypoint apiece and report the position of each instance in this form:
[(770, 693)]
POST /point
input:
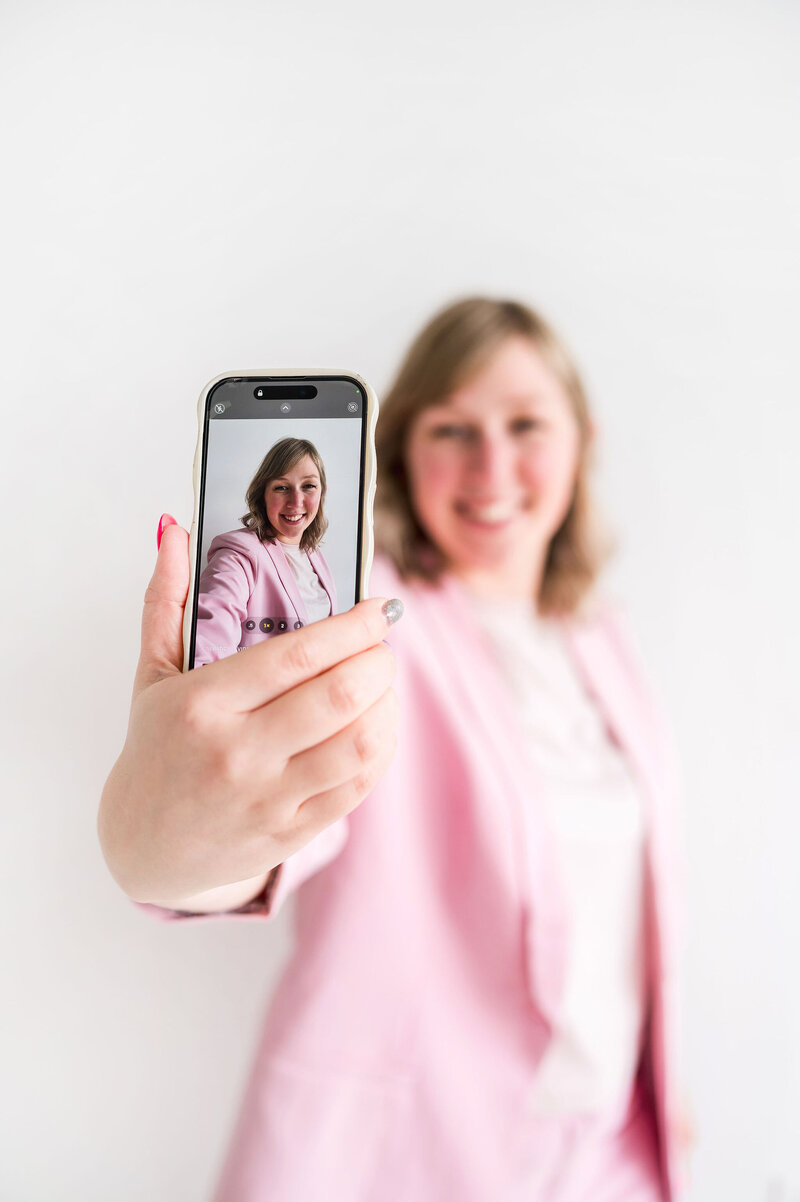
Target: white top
[(594, 809), (314, 597)]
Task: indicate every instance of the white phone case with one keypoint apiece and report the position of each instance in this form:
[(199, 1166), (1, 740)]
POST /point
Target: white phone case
[(367, 542)]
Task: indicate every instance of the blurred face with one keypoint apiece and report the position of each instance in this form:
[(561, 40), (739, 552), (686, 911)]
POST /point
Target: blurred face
[(492, 471), (293, 500)]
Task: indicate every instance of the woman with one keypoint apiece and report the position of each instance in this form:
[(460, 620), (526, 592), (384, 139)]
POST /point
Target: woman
[(269, 577), (480, 1004)]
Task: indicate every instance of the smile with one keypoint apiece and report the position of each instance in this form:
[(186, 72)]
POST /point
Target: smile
[(496, 514), (293, 521)]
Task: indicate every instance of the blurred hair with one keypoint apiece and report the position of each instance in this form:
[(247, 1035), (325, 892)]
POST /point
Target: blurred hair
[(451, 349), (279, 460)]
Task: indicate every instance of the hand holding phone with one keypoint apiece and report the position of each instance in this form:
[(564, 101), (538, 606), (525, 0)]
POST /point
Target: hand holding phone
[(227, 771)]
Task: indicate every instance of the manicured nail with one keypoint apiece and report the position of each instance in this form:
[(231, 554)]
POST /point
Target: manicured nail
[(166, 520), (393, 611)]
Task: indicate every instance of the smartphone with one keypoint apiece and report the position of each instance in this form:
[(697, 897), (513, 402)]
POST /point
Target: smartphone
[(284, 482)]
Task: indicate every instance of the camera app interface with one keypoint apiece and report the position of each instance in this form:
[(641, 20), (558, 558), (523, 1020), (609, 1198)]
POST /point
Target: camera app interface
[(279, 535)]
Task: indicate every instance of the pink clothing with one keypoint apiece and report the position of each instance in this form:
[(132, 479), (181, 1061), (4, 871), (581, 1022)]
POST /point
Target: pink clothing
[(248, 593), (402, 1041), (587, 1160), (595, 809)]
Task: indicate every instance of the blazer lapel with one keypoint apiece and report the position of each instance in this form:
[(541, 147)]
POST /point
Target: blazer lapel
[(604, 678), (624, 708), (481, 688), (613, 680)]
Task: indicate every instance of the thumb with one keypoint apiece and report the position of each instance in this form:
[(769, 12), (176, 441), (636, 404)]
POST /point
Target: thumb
[(164, 601)]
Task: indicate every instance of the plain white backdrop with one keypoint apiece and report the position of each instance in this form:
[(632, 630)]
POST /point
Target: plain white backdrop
[(194, 187)]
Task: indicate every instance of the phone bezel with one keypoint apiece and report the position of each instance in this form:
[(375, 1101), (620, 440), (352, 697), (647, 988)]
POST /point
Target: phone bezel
[(365, 549)]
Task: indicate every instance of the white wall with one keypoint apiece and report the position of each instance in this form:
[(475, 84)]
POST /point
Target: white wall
[(195, 187)]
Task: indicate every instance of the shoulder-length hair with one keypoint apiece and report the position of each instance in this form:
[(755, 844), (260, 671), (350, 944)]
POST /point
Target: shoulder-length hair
[(279, 460), (451, 349)]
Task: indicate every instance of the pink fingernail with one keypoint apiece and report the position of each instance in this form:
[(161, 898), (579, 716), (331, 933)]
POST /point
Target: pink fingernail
[(166, 520)]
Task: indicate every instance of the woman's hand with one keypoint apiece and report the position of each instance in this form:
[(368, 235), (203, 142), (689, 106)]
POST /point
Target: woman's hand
[(229, 769)]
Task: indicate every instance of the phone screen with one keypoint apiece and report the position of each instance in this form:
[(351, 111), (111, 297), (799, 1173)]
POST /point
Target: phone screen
[(280, 510)]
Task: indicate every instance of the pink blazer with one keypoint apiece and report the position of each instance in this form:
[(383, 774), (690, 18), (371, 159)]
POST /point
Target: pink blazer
[(248, 593), (399, 1047)]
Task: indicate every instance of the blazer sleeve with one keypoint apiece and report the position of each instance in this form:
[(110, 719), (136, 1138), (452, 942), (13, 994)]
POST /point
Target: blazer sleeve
[(224, 590), (282, 881)]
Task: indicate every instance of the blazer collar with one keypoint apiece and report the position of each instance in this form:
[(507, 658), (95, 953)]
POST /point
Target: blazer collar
[(475, 679)]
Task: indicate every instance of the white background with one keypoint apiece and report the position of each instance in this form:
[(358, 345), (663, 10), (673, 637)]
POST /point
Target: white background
[(194, 187)]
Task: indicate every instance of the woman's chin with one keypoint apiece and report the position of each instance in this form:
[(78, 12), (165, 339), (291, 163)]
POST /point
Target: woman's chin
[(500, 563), (494, 553)]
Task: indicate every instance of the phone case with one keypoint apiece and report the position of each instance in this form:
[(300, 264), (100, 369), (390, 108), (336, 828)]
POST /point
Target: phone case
[(367, 539)]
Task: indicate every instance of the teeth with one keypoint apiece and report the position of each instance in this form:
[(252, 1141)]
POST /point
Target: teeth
[(286, 518), (489, 513)]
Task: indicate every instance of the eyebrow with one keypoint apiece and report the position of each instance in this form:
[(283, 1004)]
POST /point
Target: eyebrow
[(314, 477), (530, 398)]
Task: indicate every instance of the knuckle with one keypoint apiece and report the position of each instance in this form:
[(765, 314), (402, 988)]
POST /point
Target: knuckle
[(299, 656), (344, 692), (360, 786), (271, 816), (194, 713), (364, 782), (227, 764), (367, 742)]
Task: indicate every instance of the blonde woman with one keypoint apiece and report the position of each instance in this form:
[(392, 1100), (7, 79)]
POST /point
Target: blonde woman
[(480, 1002), (270, 576)]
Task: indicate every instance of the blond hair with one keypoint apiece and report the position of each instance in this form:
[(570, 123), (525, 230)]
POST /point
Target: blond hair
[(455, 345)]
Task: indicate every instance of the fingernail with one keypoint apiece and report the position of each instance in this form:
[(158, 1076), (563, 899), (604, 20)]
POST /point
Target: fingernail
[(393, 611), (166, 520)]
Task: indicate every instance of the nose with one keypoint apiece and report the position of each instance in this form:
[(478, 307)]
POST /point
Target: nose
[(492, 462)]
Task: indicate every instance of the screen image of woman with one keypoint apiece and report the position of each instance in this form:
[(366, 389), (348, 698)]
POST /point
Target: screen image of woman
[(270, 576)]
